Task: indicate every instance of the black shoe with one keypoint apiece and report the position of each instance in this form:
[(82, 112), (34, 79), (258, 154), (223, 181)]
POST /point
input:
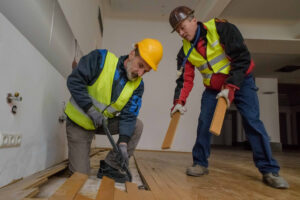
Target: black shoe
[(107, 170)]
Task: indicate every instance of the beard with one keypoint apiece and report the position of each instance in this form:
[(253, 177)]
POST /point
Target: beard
[(131, 75)]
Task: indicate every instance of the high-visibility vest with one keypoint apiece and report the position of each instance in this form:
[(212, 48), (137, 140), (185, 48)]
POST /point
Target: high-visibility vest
[(216, 57), (100, 93)]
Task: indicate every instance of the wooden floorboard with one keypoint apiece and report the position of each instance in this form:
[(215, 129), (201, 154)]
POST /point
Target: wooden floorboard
[(136, 194), (26, 187), (29, 186), (120, 195), (81, 197), (106, 190), (232, 176), (70, 188)]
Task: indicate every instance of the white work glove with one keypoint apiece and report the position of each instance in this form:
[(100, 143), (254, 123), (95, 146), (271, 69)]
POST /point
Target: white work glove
[(228, 93), (224, 93), (178, 107)]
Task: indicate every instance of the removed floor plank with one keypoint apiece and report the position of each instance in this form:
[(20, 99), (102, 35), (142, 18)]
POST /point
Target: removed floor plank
[(70, 188), (29, 186), (136, 194), (106, 190), (26, 187)]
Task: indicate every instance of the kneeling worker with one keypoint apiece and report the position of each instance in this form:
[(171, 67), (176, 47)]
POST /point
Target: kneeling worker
[(103, 85)]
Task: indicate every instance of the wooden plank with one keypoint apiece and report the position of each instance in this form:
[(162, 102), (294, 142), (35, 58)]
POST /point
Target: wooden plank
[(106, 190), (37, 183), (147, 195), (158, 186), (218, 118), (70, 188), (136, 194), (24, 187), (171, 131), (81, 197), (34, 192), (120, 195), (132, 191), (12, 182)]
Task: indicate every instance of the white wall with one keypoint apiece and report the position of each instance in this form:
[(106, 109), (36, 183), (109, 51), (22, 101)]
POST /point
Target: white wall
[(43, 23), (269, 107), (119, 35), (82, 16), (25, 70)]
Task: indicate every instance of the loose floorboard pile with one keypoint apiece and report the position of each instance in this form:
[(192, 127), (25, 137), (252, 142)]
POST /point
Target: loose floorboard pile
[(107, 191), (29, 186)]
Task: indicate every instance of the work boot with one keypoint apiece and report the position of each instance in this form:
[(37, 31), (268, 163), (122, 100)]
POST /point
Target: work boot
[(107, 170), (275, 181), (196, 170)]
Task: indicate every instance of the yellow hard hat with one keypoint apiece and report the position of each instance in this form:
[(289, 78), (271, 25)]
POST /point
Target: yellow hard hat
[(151, 50)]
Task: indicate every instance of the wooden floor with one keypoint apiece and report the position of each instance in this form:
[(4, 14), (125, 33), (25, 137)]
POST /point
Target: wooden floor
[(232, 175)]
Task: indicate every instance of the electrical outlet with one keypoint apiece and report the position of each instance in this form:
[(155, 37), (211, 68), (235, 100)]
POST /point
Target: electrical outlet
[(10, 140)]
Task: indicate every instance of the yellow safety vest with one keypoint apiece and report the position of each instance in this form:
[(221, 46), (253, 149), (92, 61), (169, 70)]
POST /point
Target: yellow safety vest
[(216, 57), (100, 93)]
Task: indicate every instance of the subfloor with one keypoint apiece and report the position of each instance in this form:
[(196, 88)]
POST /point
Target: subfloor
[(232, 175)]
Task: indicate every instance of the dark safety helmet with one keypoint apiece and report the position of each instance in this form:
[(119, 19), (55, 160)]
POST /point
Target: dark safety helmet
[(178, 15)]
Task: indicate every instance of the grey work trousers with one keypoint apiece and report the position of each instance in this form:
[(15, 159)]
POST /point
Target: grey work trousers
[(79, 144)]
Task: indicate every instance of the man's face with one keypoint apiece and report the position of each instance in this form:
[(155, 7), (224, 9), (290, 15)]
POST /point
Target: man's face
[(187, 29), (136, 67)]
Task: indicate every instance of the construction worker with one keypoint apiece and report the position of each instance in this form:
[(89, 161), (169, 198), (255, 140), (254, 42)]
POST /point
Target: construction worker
[(103, 85), (216, 48)]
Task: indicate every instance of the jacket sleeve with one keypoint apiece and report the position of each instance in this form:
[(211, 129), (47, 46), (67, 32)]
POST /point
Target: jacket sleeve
[(85, 74), (185, 81), (236, 50), (129, 114)]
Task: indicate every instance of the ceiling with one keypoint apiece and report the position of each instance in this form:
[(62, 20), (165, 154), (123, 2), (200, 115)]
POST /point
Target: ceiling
[(154, 9), (271, 28), (266, 9)]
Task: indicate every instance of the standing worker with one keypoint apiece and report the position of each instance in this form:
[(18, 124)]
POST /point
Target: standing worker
[(217, 49), (103, 85)]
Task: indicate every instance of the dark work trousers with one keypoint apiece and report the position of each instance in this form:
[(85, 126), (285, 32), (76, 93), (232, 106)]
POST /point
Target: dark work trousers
[(246, 101), (79, 144)]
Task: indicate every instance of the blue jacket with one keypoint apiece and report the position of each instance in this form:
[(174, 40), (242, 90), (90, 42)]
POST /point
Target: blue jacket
[(88, 71)]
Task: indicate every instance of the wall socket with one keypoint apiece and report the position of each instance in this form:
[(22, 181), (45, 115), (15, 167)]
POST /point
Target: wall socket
[(10, 140)]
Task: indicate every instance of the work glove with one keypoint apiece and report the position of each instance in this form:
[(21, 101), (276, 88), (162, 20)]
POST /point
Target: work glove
[(95, 116), (123, 151), (227, 92), (178, 107)]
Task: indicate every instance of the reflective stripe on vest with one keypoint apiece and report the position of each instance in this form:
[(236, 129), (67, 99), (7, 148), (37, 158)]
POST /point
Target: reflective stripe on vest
[(103, 85), (216, 57)]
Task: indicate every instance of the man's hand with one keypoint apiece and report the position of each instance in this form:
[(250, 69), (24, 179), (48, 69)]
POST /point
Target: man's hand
[(95, 116), (228, 93), (178, 107), (123, 150)]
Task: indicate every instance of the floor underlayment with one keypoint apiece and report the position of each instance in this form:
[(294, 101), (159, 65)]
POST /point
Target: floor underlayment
[(91, 186)]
